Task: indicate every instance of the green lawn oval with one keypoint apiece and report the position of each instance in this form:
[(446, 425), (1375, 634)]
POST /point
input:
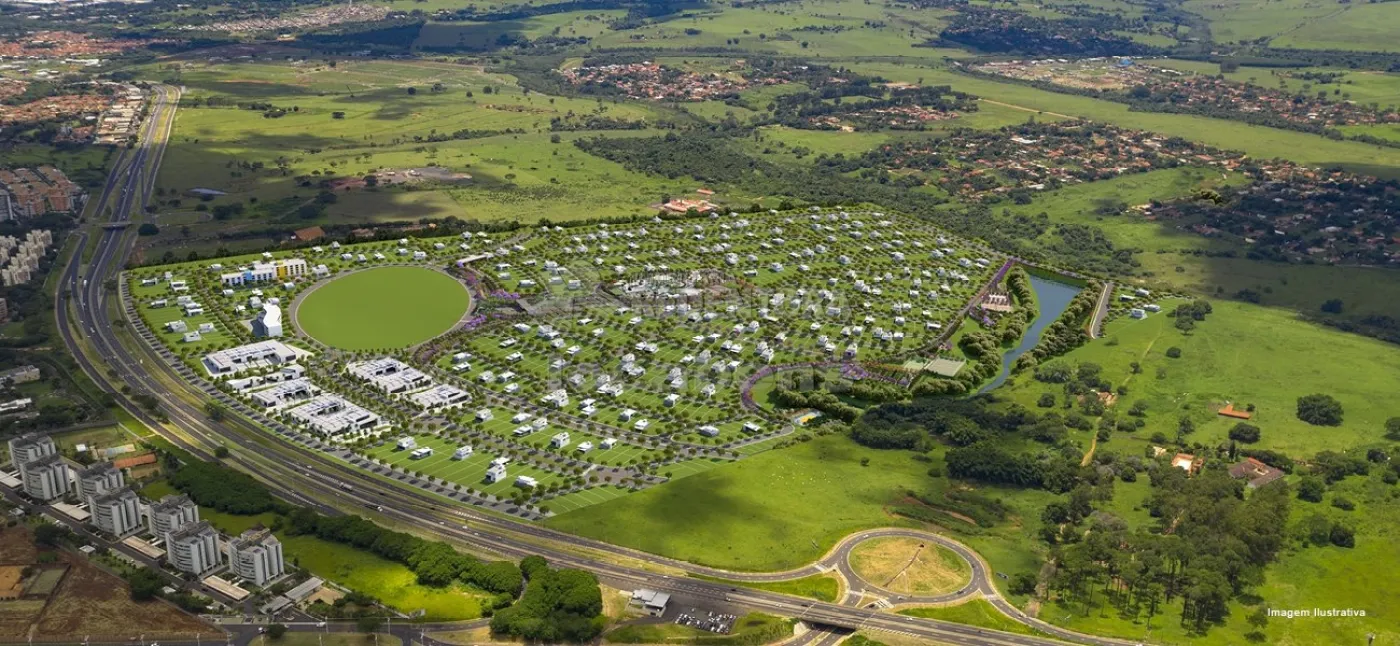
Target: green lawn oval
[(387, 307)]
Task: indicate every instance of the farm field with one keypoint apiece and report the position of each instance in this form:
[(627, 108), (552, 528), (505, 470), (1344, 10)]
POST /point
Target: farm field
[(1247, 355), (1366, 27), (387, 307), (1246, 20), (357, 118)]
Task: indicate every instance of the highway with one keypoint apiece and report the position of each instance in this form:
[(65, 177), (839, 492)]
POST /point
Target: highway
[(310, 475)]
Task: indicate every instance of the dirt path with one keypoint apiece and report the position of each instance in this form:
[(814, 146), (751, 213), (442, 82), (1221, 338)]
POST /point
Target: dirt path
[(900, 573), (1026, 109)]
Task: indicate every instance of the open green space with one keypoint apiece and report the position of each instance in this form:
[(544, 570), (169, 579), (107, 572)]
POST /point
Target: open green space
[(1369, 27), (786, 508), (1247, 355), (822, 587), (385, 307), (390, 582), (776, 510), (977, 612)]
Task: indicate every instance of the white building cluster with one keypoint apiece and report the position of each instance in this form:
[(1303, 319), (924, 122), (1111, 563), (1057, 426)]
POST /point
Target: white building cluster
[(190, 545), (398, 379), (251, 356), (262, 272), (19, 259)]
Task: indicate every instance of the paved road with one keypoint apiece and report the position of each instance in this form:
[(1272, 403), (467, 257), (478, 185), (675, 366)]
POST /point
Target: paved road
[(1100, 311), (312, 477)]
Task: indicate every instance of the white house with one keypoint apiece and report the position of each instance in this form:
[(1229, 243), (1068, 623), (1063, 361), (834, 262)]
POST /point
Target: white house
[(268, 324)]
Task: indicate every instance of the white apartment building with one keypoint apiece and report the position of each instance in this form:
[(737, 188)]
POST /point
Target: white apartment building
[(29, 447), (256, 556), (171, 514), (47, 478), (98, 479), (117, 512), (194, 549)]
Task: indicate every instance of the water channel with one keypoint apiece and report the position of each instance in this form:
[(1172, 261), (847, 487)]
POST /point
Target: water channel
[(1052, 297)]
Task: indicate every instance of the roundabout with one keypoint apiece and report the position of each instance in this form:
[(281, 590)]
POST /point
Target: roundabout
[(909, 566), (383, 307)]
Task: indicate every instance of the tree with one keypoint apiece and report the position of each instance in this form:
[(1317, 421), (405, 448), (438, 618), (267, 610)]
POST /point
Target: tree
[(1311, 489), (1185, 427), (145, 584), (221, 452), (1392, 429), (147, 229), (51, 535), (1023, 583), (1247, 433), (276, 631), (1342, 536), (1332, 306), (1174, 352), (1259, 620), (368, 624), (1320, 410), (214, 410)]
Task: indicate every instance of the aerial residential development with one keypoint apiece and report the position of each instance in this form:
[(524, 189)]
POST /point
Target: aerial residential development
[(817, 322)]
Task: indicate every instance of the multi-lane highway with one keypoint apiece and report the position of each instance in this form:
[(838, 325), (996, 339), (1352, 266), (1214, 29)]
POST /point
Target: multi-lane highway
[(326, 481)]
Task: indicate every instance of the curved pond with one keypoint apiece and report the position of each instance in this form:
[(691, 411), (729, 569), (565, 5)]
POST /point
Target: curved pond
[(1052, 297)]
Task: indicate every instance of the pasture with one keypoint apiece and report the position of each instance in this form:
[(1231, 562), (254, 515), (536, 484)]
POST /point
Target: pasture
[(1243, 354), (386, 307)]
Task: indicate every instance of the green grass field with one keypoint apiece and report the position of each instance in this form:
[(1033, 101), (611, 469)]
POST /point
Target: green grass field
[(775, 510), (390, 582), (822, 587), (976, 612), (1362, 27), (386, 307), (1247, 355), (785, 508)]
